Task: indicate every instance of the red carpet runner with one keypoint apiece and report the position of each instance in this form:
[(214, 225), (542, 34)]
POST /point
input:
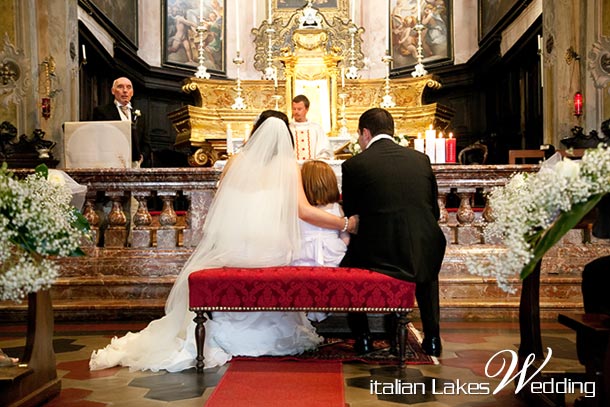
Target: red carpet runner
[(255, 383)]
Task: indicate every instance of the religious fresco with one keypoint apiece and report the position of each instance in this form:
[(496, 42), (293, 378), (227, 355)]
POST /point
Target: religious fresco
[(436, 33), (122, 14), (329, 8), (181, 39)]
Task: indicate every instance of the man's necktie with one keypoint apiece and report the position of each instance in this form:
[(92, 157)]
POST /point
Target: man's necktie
[(125, 110)]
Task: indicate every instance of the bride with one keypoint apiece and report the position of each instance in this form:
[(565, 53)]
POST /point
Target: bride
[(252, 222)]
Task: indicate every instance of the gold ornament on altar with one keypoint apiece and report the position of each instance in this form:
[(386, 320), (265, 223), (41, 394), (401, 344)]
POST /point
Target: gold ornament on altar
[(303, 53)]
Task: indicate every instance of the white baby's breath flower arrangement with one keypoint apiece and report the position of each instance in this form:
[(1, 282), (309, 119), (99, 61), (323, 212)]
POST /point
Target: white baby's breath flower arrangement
[(402, 139), (533, 211), (37, 225), (354, 147)]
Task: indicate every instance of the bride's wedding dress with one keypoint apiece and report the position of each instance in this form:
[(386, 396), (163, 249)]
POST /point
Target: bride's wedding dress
[(252, 222)]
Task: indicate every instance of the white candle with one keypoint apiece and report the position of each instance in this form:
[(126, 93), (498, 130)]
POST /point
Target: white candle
[(275, 79), (353, 10), (200, 10), (342, 77), (430, 143), (84, 53), (236, 27), (418, 143), (418, 10), (229, 139), (440, 149), (388, 31), (269, 20)]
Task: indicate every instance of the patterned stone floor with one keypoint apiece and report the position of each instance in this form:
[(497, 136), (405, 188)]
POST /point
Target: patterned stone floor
[(455, 381)]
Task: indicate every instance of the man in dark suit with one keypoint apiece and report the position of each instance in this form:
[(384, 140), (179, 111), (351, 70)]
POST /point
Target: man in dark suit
[(394, 192), (121, 109), (596, 274)]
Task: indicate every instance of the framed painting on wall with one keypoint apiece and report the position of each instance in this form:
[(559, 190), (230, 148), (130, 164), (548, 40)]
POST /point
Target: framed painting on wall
[(436, 33), (181, 39), (329, 8), (122, 14), (495, 14)]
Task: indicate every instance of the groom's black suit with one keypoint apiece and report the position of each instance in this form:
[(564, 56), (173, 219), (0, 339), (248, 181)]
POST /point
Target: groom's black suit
[(394, 191), (140, 140)]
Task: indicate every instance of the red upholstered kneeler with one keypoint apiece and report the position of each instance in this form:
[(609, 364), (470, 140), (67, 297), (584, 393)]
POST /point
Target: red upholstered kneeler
[(288, 288)]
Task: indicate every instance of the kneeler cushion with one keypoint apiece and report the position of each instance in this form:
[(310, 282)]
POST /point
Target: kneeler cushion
[(298, 288)]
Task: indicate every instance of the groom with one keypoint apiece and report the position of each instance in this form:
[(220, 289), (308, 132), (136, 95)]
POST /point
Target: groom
[(394, 191)]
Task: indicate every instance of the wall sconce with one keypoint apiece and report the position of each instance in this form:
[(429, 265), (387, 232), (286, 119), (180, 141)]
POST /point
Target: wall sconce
[(48, 78), (578, 104), (46, 107)]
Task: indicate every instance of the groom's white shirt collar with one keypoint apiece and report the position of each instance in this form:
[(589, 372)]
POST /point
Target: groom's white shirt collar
[(379, 137)]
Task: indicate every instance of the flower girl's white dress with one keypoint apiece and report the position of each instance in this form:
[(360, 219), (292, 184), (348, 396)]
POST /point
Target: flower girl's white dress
[(321, 247)]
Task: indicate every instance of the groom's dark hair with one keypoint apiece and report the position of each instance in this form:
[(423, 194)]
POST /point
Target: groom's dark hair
[(378, 121)]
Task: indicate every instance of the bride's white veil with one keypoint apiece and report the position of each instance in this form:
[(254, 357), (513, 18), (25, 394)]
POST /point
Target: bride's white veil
[(252, 222)]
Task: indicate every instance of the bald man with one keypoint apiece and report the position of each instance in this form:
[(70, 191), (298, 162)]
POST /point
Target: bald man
[(121, 109)]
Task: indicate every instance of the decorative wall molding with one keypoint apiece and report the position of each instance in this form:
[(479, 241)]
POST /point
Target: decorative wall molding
[(14, 74), (599, 62)]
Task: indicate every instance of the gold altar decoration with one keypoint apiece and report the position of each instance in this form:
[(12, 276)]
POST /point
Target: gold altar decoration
[(311, 61)]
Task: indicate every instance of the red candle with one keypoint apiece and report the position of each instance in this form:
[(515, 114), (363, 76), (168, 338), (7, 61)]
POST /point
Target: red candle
[(450, 147), (578, 102)]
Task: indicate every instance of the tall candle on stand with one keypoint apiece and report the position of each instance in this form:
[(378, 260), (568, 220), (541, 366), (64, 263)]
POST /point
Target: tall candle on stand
[(440, 149), (418, 143), (418, 10), (342, 77), (450, 147), (430, 143), (353, 10), (200, 10)]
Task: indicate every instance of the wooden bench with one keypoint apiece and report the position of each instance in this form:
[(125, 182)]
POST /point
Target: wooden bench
[(288, 288)]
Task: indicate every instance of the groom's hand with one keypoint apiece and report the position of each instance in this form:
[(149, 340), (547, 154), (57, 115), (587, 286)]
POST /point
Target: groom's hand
[(352, 224)]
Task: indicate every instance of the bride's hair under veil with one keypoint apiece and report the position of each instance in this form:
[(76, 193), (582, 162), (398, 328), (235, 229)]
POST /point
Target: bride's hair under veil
[(253, 220)]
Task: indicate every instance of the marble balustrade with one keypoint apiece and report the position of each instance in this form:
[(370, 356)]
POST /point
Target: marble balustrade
[(131, 265)]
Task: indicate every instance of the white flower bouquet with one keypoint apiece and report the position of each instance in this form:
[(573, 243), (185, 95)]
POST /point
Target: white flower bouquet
[(354, 147), (37, 225), (533, 211)]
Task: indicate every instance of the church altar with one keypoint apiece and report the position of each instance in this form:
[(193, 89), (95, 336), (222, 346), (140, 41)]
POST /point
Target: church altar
[(125, 279), (303, 53)]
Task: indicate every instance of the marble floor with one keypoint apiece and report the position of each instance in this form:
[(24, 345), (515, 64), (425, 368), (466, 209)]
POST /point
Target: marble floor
[(459, 378)]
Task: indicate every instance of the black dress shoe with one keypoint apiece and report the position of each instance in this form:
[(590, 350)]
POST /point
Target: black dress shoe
[(432, 346), (363, 345)]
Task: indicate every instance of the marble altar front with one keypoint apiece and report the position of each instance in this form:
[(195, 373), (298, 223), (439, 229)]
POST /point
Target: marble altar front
[(118, 279)]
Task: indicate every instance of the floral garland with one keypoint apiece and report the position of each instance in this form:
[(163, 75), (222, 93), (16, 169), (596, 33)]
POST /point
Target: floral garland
[(533, 211), (37, 224)]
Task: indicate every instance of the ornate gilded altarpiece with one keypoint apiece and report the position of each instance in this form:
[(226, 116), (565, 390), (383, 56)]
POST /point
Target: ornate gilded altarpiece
[(305, 58)]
